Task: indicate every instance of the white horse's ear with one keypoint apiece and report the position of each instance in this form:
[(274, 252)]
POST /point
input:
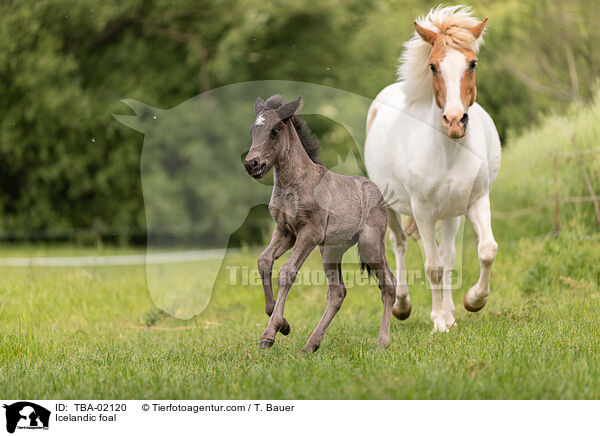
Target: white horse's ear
[(425, 34), (477, 29)]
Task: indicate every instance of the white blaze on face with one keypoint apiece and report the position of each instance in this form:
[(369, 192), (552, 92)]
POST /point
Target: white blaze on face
[(260, 120), (453, 67)]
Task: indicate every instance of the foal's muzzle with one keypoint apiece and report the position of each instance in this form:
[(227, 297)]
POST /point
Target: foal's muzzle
[(255, 168)]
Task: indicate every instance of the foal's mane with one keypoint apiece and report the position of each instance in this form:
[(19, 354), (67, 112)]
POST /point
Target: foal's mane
[(308, 140), (453, 23)]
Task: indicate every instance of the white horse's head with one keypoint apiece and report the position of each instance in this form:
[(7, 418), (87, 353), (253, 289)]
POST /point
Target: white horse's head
[(452, 62)]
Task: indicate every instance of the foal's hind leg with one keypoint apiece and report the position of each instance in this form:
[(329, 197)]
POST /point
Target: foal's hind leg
[(280, 243), (336, 292), (402, 306), (371, 246)]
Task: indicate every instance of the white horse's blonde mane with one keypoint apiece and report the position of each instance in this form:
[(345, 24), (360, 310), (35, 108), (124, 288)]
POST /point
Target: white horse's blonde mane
[(453, 22)]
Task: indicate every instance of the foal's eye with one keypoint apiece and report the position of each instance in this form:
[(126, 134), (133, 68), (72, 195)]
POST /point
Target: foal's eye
[(433, 68), (274, 133), (472, 65)]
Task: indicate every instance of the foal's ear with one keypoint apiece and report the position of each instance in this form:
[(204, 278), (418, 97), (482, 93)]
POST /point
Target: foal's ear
[(259, 105), (477, 29), (290, 109), (425, 34)]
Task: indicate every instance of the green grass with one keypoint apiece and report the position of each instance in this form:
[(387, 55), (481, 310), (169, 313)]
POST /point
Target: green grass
[(528, 180), (80, 333), (97, 333)]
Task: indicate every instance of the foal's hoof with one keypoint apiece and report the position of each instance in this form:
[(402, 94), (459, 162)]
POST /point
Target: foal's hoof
[(473, 308), (285, 328), (309, 349), (401, 315), (265, 343), (383, 343)]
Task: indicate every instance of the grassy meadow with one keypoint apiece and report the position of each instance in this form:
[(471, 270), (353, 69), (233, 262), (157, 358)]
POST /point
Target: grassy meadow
[(94, 332)]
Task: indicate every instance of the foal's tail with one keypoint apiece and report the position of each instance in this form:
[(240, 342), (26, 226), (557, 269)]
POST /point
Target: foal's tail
[(364, 266), (411, 229)]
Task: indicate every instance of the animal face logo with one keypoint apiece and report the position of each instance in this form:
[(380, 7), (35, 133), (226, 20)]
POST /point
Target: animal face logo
[(197, 193), (26, 415), (196, 190)]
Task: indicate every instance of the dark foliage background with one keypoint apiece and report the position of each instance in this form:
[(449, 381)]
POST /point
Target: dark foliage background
[(71, 171)]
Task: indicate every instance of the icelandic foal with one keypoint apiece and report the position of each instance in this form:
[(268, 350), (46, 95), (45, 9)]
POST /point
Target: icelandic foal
[(313, 207)]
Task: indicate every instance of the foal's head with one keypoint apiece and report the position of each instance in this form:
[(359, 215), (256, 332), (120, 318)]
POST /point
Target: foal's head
[(452, 63), (273, 118)]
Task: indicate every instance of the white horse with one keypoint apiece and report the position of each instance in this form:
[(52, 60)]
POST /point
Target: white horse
[(419, 148)]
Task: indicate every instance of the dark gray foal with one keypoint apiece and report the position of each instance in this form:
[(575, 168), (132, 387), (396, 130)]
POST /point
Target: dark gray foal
[(313, 207)]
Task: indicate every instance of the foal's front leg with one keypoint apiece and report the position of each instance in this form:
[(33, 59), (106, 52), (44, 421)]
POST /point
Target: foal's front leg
[(281, 241), (306, 241)]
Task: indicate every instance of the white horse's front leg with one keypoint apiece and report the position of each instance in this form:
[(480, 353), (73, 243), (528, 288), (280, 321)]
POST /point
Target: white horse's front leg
[(448, 253), (402, 306), (433, 265), (479, 214)]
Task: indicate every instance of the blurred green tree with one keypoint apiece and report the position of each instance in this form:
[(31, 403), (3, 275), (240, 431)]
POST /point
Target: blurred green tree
[(65, 64)]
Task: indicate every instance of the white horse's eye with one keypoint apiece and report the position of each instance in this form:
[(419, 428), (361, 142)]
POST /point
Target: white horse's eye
[(472, 65), (433, 68)]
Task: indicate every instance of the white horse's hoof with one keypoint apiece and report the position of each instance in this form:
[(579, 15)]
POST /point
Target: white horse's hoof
[(450, 322), (439, 326), (448, 315), (472, 303)]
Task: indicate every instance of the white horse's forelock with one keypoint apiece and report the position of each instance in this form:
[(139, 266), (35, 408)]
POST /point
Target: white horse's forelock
[(413, 69)]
